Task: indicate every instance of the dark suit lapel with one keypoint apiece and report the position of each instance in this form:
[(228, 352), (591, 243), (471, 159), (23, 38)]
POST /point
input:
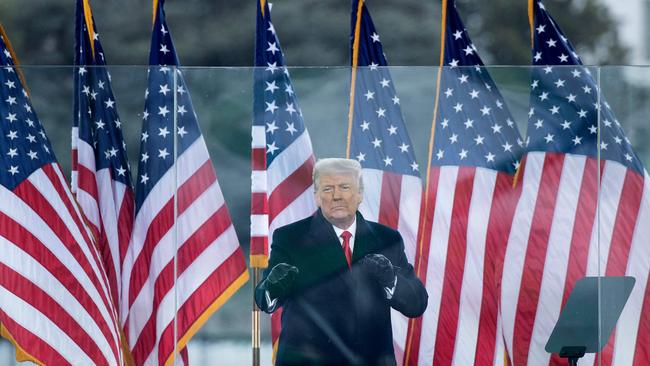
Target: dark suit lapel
[(325, 241), (364, 242)]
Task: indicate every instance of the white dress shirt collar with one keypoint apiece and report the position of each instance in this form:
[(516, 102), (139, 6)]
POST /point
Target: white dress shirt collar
[(352, 229)]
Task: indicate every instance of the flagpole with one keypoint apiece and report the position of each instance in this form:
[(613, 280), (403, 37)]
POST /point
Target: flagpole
[(256, 321), (420, 241), (258, 260), (353, 75)]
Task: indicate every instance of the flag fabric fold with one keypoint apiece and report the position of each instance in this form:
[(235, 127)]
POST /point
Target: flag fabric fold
[(101, 176), (379, 140), (184, 260), (282, 156), (55, 298), (474, 151), (583, 204)]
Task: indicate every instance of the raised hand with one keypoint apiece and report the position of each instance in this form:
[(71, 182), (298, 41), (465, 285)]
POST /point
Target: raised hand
[(380, 268), (280, 280)]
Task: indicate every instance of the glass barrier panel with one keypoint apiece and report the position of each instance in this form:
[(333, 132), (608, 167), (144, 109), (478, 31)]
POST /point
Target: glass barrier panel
[(623, 210), (507, 184)]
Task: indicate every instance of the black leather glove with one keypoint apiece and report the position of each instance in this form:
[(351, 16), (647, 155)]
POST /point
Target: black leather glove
[(380, 268), (280, 280)]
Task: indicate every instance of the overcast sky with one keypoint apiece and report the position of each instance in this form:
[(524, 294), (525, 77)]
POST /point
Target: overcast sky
[(630, 15)]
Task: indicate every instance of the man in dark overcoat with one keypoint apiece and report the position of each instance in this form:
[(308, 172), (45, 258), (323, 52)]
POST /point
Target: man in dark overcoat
[(337, 276)]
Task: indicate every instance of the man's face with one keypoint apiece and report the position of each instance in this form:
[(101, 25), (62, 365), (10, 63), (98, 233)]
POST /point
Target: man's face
[(338, 196)]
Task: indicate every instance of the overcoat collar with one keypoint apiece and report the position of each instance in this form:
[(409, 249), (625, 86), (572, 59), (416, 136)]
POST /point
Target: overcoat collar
[(322, 234)]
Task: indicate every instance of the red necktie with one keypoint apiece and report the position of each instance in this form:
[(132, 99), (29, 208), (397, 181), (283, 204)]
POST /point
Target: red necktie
[(346, 235)]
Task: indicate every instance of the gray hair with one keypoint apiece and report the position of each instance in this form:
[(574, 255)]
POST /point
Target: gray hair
[(337, 166)]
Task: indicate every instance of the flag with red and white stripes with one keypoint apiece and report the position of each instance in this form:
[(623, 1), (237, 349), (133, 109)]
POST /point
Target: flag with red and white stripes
[(55, 301), (380, 142), (184, 260), (583, 210), (468, 202), (101, 177), (282, 157)]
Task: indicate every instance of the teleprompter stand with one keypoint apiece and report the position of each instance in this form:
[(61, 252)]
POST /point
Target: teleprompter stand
[(577, 330)]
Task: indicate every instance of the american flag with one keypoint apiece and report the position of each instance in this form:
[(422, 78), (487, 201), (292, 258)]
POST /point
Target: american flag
[(380, 142), (184, 259), (282, 156), (468, 202), (582, 211), (101, 177), (55, 303)]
